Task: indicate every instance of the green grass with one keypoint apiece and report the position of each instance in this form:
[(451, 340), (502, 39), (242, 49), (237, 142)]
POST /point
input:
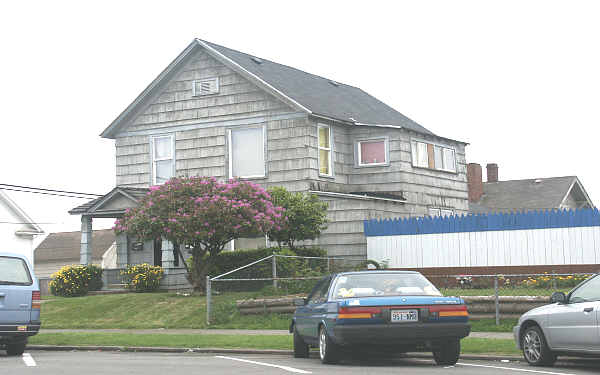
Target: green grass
[(489, 325), (513, 291), (471, 346)]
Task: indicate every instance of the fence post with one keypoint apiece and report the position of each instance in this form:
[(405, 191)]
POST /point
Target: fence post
[(328, 260), (497, 300), (208, 300), (274, 271)]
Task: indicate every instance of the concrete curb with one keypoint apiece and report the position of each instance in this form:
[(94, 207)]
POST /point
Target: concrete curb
[(483, 357)]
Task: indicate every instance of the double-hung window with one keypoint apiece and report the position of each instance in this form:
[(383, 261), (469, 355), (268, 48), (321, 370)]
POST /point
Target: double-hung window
[(432, 211), (246, 152), (372, 152), (163, 161), (428, 155), (325, 167)]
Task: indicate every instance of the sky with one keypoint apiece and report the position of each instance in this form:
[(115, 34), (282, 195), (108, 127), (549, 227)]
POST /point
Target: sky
[(518, 80)]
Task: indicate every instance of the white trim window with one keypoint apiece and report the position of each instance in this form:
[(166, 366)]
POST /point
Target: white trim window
[(325, 165), (372, 152), (246, 152), (441, 212), (163, 158), (433, 156)]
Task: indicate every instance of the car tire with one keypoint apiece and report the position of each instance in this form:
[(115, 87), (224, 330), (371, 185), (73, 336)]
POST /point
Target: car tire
[(448, 353), (16, 348), (328, 350), (300, 347), (535, 349)]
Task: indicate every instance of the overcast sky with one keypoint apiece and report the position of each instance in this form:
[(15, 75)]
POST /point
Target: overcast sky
[(518, 80)]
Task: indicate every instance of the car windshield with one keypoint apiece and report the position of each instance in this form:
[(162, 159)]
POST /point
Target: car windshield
[(377, 284), (13, 271)]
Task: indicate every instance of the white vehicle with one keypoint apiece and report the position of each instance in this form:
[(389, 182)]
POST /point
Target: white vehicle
[(570, 325)]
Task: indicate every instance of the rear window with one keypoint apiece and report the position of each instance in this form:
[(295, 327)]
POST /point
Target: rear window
[(14, 271), (375, 284)]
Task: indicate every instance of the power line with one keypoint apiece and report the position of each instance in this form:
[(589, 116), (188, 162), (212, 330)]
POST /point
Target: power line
[(40, 192), (50, 190), (11, 222)]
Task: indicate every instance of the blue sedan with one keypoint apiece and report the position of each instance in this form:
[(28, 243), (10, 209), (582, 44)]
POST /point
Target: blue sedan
[(384, 311)]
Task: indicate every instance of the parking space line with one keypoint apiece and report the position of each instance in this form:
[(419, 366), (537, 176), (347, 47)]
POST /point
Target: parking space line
[(28, 359), (514, 369), (286, 368)]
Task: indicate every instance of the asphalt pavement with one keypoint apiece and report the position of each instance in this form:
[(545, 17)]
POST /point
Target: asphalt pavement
[(108, 363)]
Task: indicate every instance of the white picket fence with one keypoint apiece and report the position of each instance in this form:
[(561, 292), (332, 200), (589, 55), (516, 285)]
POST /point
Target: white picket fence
[(549, 246)]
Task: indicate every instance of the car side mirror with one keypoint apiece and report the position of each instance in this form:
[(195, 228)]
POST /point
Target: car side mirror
[(299, 301), (558, 297)]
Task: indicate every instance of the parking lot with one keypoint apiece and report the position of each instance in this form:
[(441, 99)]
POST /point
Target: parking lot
[(95, 362)]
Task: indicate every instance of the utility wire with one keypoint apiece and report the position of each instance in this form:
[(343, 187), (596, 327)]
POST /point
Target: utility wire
[(50, 190), (40, 192), (11, 222)]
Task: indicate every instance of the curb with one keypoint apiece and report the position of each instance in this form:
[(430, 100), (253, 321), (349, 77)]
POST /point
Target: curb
[(480, 357)]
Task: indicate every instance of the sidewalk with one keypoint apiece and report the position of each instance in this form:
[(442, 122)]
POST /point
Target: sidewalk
[(480, 335)]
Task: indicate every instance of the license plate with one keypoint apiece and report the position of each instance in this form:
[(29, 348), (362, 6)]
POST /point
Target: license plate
[(404, 316)]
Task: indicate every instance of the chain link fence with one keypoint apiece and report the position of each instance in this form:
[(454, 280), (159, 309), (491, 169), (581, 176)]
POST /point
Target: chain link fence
[(270, 278)]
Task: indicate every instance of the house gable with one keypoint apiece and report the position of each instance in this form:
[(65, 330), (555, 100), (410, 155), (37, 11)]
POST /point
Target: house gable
[(576, 197), (20, 223)]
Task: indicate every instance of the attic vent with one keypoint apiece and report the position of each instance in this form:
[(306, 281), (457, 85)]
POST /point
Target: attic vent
[(537, 181), (257, 60), (205, 86), (334, 83)]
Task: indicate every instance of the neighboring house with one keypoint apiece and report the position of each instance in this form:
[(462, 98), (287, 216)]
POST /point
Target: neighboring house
[(218, 112), (17, 229), (61, 249), (523, 195)]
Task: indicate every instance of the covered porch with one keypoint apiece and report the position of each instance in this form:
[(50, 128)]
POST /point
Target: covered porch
[(159, 252)]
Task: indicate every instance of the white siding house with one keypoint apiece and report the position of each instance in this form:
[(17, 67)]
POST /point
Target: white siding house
[(17, 230)]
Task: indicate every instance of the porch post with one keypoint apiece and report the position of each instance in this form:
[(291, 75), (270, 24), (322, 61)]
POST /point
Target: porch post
[(168, 261), (122, 251), (85, 254)]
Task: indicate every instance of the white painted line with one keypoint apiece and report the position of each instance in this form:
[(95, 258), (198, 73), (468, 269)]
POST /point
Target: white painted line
[(515, 369), (286, 368), (28, 359)]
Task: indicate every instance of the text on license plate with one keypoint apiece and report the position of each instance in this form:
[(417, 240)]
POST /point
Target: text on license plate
[(401, 316)]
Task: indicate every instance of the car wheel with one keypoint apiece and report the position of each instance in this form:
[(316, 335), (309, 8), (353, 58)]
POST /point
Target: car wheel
[(448, 353), (535, 349), (300, 347), (328, 350), (16, 348)]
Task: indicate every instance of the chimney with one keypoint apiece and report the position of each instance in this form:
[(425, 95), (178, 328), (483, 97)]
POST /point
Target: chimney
[(475, 183), (492, 172)]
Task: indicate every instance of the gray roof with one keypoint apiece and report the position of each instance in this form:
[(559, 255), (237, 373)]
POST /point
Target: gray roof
[(322, 96), (517, 195), (136, 193), (308, 92), (65, 246)]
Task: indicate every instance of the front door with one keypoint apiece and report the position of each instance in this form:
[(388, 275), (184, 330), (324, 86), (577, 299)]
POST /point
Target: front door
[(574, 325)]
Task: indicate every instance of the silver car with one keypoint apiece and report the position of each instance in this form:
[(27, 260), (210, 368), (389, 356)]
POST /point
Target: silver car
[(570, 325)]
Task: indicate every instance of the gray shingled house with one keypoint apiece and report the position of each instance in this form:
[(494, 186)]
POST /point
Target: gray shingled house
[(219, 112), (523, 195)]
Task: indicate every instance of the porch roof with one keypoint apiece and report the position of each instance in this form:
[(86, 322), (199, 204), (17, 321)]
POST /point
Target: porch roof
[(112, 204)]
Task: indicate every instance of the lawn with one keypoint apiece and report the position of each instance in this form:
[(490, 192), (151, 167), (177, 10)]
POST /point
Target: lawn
[(170, 310), (469, 345)]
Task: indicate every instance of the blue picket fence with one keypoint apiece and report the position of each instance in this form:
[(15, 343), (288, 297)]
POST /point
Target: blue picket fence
[(483, 222)]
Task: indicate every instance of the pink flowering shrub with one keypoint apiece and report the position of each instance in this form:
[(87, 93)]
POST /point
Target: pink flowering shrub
[(204, 214)]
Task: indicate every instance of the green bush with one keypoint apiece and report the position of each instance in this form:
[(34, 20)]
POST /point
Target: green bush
[(73, 280), (142, 277), (95, 274)]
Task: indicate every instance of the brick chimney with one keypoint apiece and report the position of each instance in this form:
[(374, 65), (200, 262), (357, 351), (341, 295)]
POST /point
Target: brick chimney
[(475, 183), (492, 172)]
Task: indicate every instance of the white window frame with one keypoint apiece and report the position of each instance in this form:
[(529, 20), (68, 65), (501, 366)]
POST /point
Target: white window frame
[(153, 159), (230, 151), (386, 151), (415, 157), (330, 149)]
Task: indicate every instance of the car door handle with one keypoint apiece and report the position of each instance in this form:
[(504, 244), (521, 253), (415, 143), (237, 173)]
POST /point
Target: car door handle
[(2, 294), (588, 309)]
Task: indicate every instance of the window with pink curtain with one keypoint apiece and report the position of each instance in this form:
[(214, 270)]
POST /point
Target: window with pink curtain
[(372, 152)]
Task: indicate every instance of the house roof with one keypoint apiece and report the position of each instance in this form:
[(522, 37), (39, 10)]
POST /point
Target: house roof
[(29, 226), (306, 92), (529, 194), (66, 246), (100, 207)]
